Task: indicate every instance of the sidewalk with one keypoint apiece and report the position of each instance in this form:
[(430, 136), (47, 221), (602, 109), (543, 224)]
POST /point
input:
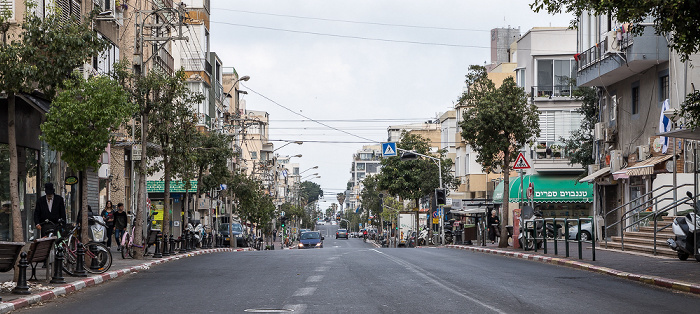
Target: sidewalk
[(655, 270), (44, 291)]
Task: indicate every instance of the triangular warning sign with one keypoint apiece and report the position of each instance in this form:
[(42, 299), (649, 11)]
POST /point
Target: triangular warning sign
[(389, 151), (521, 162)]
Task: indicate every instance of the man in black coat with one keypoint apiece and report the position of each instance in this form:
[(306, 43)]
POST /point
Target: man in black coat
[(49, 206)]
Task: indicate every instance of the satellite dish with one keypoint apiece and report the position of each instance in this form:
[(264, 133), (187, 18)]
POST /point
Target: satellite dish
[(496, 169), (669, 165)]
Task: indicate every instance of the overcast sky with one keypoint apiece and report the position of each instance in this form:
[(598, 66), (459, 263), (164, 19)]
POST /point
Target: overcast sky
[(357, 66)]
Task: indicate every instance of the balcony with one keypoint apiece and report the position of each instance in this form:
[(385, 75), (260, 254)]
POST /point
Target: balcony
[(165, 60), (613, 60), (219, 91), (551, 91), (199, 66)]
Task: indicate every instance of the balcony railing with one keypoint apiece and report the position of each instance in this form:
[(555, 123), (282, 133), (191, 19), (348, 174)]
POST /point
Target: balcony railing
[(550, 91), (196, 64), (598, 52), (165, 60)]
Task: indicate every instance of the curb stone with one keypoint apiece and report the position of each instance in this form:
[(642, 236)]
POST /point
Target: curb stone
[(43, 296), (646, 279)]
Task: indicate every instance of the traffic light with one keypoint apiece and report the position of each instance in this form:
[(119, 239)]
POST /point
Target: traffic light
[(381, 203), (283, 220), (440, 197)]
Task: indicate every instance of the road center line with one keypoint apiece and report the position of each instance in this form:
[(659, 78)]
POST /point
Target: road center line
[(304, 291), (296, 308), (322, 268), (315, 278), (422, 273)]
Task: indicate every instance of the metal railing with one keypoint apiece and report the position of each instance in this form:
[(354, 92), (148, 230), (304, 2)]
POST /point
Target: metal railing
[(548, 91), (638, 214), (537, 231)]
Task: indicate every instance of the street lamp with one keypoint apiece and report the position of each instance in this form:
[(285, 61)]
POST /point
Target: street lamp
[(244, 78), (295, 142), (315, 174), (314, 167)]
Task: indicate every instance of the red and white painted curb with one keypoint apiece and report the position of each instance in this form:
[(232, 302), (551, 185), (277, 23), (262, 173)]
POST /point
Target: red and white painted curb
[(6, 307), (647, 279)]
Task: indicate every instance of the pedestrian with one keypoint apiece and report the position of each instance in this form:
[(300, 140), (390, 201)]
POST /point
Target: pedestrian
[(493, 226), (274, 235), (49, 207), (108, 216), (120, 224)]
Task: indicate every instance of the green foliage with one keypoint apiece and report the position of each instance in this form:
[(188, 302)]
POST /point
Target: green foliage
[(413, 179), (310, 192), (498, 121), (82, 118), (370, 195), (211, 156), (690, 111), (679, 19), (580, 144)]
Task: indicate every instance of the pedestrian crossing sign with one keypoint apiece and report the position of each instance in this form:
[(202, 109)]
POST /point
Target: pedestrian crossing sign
[(521, 162), (388, 149)]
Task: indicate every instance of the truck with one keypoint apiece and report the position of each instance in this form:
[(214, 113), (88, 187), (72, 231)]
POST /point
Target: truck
[(407, 225)]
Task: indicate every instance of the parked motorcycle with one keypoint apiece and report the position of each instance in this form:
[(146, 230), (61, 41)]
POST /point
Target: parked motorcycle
[(197, 233), (529, 242), (423, 237), (683, 228)]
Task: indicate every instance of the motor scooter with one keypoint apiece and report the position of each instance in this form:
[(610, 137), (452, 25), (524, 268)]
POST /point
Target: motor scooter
[(683, 241), (196, 233)]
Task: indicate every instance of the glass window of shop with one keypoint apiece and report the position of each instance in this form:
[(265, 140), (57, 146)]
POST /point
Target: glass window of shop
[(564, 210)]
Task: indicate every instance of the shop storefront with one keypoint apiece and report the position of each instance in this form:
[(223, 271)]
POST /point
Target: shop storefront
[(553, 196), (156, 190)]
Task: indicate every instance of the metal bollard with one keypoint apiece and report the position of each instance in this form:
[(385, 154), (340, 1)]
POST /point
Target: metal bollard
[(22, 287), (172, 245), (80, 262), (57, 267), (94, 264), (166, 252), (188, 242), (182, 243), (157, 253), (218, 241)]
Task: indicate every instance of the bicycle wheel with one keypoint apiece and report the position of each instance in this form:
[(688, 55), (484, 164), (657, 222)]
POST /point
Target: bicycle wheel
[(69, 256), (101, 254)]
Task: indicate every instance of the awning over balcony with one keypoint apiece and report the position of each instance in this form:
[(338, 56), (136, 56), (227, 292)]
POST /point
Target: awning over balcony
[(591, 177), (554, 189), (645, 167)]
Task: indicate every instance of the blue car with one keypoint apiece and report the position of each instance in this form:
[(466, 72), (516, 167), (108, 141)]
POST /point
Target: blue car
[(310, 240)]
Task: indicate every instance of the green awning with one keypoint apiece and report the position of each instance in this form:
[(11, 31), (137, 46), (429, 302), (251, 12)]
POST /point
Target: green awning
[(175, 186), (549, 189)]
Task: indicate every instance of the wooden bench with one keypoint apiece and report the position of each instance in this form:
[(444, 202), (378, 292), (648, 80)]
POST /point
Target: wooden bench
[(9, 251), (39, 252)]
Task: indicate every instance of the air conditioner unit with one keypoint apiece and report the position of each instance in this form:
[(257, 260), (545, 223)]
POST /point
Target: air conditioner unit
[(613, 45), (593, 168), (642, 152), (86, 70), (615, 160), (599, 131), (610, 135)]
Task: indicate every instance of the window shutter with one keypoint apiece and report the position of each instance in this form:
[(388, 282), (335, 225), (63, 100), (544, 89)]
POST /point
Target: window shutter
[(8, 5)]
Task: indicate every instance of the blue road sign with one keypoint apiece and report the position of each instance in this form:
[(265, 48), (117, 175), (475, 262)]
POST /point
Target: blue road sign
[(388, 149)]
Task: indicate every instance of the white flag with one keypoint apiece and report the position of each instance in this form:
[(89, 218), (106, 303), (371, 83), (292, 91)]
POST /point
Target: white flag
[(664, 126)]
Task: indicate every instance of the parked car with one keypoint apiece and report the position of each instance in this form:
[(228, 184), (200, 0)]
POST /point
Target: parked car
[(586, 231), (341, 233), (310, 240), (226, 229)]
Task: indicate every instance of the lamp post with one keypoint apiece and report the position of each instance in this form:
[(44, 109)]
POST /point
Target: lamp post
[(314, 167), (410, 155)]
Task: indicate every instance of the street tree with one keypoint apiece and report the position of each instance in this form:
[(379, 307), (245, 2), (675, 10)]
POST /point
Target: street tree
[(80, 123), (41, 53), (211, 158), (370, 196), (497, 123), (310, 192), (580, 145), (341, 199), (414, 179), (173, 121)]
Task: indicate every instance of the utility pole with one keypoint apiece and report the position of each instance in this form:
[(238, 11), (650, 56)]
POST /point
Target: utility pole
[(158, 35)]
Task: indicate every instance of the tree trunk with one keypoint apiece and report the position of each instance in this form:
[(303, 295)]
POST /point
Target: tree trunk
[(166, 197), (84, 237), (17, 233), (505, 212), (141, 205), (185, 209)]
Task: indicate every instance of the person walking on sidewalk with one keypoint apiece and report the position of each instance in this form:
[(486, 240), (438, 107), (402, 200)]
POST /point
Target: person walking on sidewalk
[(120, 224), (49, 207), (493, 222), (274, 235), (108, 216)]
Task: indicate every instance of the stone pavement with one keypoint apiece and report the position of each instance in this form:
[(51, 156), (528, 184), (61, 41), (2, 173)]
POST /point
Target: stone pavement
[(43, 291)]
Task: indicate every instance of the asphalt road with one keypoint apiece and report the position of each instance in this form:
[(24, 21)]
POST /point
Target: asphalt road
[(349, 276)]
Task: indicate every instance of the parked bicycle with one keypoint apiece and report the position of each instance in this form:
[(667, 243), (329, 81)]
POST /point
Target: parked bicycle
[(98, 258), (128, 247)]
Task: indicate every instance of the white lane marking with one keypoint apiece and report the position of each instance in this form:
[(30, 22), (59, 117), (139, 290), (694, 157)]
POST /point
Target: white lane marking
[(304, 291), (333, 257), (315, 278), (296, 308), (423, 273), (327, 262), (322, 268)]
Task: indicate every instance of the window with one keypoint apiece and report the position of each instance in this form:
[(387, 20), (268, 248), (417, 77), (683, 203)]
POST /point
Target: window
[(635, 98), (555, 124), (365, 156), (520, 77), (554, 77), (8, 5), (663, 87), (253, 155), (360, 167)]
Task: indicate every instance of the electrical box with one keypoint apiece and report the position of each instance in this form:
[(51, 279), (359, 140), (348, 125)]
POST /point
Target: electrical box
[(599, 131), (642, 152), (615, 160)]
